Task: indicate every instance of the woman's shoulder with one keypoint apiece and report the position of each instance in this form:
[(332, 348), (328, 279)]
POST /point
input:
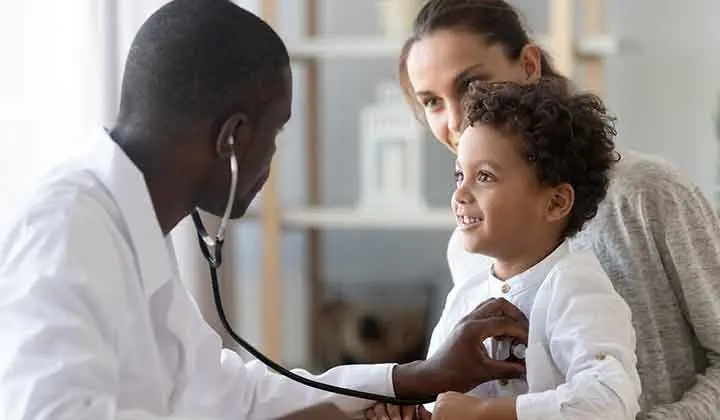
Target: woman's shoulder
[(639, 173), (647, 186)]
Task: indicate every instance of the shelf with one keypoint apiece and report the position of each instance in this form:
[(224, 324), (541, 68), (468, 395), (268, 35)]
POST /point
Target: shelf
[(598, 46), (353, 219), (382, 47), (344, 46)]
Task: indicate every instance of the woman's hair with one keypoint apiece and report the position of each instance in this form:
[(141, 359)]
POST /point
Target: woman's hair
[(496, 20), (567, 137)]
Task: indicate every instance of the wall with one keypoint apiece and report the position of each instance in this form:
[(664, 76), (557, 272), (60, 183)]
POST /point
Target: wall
[(50, 111), (665, 85)]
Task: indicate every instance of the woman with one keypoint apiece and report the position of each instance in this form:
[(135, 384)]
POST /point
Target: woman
[(656, 235)]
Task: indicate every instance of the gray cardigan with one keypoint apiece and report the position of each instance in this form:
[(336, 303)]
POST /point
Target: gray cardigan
[(658, 238)]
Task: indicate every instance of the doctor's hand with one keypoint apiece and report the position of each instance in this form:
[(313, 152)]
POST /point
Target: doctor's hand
[(462, 363)]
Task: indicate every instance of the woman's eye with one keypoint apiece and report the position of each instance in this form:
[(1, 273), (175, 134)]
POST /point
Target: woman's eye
[(430, 103)]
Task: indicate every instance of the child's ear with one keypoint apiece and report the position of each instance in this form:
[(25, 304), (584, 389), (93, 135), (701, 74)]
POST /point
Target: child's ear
[(560, 203)]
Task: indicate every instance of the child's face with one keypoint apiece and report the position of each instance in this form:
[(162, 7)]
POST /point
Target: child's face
[(500, 206)]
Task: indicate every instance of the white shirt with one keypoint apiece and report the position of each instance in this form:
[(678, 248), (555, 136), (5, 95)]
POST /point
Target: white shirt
[(95, 323), (580, 358)]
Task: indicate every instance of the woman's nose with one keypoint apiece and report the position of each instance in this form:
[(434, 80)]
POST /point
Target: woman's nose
[(455, 118), (454, 124)]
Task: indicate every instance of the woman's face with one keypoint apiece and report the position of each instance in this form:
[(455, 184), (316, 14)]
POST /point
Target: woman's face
[(442, 64)]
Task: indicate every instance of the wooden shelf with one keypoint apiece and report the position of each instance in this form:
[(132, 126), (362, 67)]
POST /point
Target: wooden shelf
[(345, 46), (353, 219), (598, 46), (382, 47)]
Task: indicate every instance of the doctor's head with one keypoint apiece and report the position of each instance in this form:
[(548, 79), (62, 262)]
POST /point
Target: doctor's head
[(204, 79)]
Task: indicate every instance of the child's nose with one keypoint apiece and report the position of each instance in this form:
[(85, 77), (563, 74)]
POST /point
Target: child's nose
[(462, 195)]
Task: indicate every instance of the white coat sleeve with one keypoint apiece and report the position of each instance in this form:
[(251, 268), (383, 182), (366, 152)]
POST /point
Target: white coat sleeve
[(229, 388), (273, 395), (592, 342)]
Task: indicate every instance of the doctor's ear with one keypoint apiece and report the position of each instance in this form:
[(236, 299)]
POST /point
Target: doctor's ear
[(234, 136)]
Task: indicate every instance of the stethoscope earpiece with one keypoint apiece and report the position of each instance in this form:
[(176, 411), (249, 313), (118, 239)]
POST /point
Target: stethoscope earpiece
[(212, 247)]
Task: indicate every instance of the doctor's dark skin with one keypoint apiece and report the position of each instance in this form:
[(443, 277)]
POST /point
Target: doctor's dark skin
[(185, 94)]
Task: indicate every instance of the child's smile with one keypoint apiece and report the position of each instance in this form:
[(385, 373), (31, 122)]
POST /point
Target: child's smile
[(467, 222)]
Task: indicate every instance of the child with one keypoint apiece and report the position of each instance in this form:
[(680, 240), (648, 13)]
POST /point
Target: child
[(533, 164)]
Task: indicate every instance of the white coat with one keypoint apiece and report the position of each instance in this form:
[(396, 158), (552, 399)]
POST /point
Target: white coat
[(96, 325)]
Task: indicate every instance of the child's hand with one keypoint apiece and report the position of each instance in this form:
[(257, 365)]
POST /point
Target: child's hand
[(394, 412), (455, 406)]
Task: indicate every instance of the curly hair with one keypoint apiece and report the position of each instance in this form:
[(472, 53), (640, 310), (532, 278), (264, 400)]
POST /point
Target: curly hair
[(567, 137)]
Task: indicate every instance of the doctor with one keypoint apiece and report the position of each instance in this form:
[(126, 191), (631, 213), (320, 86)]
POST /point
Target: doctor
[(94, 322)]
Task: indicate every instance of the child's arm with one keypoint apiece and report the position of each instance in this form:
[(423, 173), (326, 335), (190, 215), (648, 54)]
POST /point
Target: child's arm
[(454, 406), (591, 341)]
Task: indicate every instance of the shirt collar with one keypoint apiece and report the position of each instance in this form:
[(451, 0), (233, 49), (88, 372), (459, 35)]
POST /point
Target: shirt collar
[(127, 186), (535, 274)]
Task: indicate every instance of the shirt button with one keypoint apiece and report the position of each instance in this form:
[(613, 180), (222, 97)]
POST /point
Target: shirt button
[(505, 288), (600, 356)]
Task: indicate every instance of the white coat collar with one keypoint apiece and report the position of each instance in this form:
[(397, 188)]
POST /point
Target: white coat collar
[(127, 186)]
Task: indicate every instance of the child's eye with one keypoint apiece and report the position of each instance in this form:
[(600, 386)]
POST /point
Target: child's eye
[(458, 178), (485, 177)]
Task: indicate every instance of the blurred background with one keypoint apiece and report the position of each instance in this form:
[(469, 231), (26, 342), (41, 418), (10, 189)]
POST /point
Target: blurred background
[(336, 262)]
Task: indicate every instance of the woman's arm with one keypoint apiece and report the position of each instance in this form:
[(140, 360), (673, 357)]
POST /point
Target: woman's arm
[(687, 234)]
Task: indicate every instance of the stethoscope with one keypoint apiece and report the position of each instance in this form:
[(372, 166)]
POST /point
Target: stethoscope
[(212, 251)]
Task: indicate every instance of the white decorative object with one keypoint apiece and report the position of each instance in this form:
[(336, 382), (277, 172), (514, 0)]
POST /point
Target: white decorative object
[(391, 154)]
